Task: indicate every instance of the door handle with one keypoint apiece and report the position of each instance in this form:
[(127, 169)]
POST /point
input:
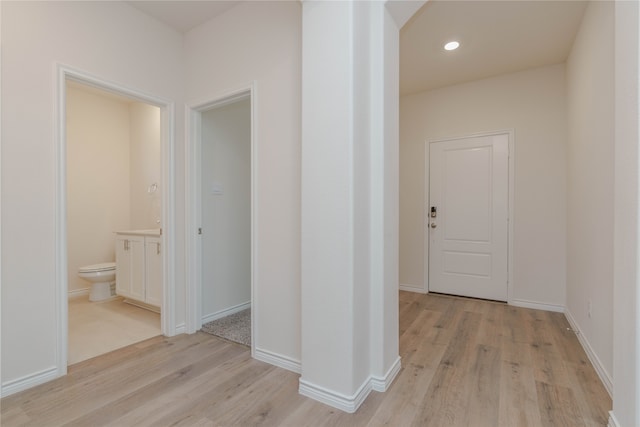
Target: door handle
[(433, 225)]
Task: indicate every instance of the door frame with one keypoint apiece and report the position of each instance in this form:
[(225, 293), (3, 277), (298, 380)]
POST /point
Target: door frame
[(66, 73), (511, 185), (193, 146)]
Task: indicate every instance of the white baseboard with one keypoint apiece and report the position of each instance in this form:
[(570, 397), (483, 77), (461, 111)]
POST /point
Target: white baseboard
[(537, 305), (180, 329), (593, 358), (28, 381), (382, 384), (413, 288), (226, 312), (79, 293), (350, 404), (278, 360), (613, 422)]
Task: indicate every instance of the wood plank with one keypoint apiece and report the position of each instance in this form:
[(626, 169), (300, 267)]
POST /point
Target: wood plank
[(591, 395), (558, 406), (420, 359), (545, 354), (490, 330), (518, 399), (150, 392), (483, 387), (446, 400)]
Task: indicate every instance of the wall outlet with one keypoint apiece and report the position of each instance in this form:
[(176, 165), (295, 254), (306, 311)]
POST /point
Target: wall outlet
[(216, 189)]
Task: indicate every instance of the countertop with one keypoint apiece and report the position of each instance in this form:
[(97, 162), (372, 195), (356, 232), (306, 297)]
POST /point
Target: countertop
[(151, 232)]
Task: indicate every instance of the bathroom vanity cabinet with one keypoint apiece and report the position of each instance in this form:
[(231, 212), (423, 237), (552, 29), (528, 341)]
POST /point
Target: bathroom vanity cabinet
[(139, 266)]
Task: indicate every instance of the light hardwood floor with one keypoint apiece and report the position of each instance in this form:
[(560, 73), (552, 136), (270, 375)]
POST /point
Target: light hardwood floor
[(465, 363)]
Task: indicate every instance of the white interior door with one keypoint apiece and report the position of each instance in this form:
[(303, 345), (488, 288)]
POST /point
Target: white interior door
[(468, 216)]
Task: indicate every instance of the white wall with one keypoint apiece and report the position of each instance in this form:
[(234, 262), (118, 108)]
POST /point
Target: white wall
[(146, 166), (98, 179), (260, 41), (590, 181), (533, 103), (626, 322), (110, 40), (226, 217)]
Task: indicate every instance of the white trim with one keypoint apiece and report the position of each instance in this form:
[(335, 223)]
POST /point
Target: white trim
[(169, 300), (537, 305), (0, 198), (413, 288), (140, 304), (613, 421), (225, 312), (425, 219), (60, 245), (511, 183), (78, 293), (381, 384), (193, 249), (512, 211), (278, 360), (63, 74), (605, 378), (28, 381), (193, 113), (349, 404), (181, 328)]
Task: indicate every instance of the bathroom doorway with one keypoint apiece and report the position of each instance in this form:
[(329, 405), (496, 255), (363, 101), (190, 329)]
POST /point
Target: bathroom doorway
[(114, 181), (222, 218)]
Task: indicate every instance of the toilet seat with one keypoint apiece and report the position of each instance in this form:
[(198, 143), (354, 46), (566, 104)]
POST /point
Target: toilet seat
[(95, 268)]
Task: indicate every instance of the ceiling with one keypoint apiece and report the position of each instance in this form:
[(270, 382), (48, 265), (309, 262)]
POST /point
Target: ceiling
[(496, 37), (183, 15)]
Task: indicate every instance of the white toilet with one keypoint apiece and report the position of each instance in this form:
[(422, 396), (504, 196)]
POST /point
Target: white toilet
[(101, 277)]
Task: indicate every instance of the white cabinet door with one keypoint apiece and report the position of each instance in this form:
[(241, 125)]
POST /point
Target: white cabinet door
[(136, 252), (153, 264), (123, 267), (139, 268), (130, 274)]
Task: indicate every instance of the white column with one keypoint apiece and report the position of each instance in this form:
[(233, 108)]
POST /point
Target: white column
[(349, 201), (626, 320)]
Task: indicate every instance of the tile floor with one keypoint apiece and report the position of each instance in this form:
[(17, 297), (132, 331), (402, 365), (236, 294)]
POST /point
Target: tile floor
[(96, 328)]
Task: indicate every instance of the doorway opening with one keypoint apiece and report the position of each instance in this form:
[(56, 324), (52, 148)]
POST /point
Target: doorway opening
[(115, 188), (222, 218)]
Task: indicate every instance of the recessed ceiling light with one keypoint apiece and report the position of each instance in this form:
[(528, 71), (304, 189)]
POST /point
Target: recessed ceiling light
[(451, 45)]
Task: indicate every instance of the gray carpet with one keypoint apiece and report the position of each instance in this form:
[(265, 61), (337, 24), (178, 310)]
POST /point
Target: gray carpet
[(235, 327)]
